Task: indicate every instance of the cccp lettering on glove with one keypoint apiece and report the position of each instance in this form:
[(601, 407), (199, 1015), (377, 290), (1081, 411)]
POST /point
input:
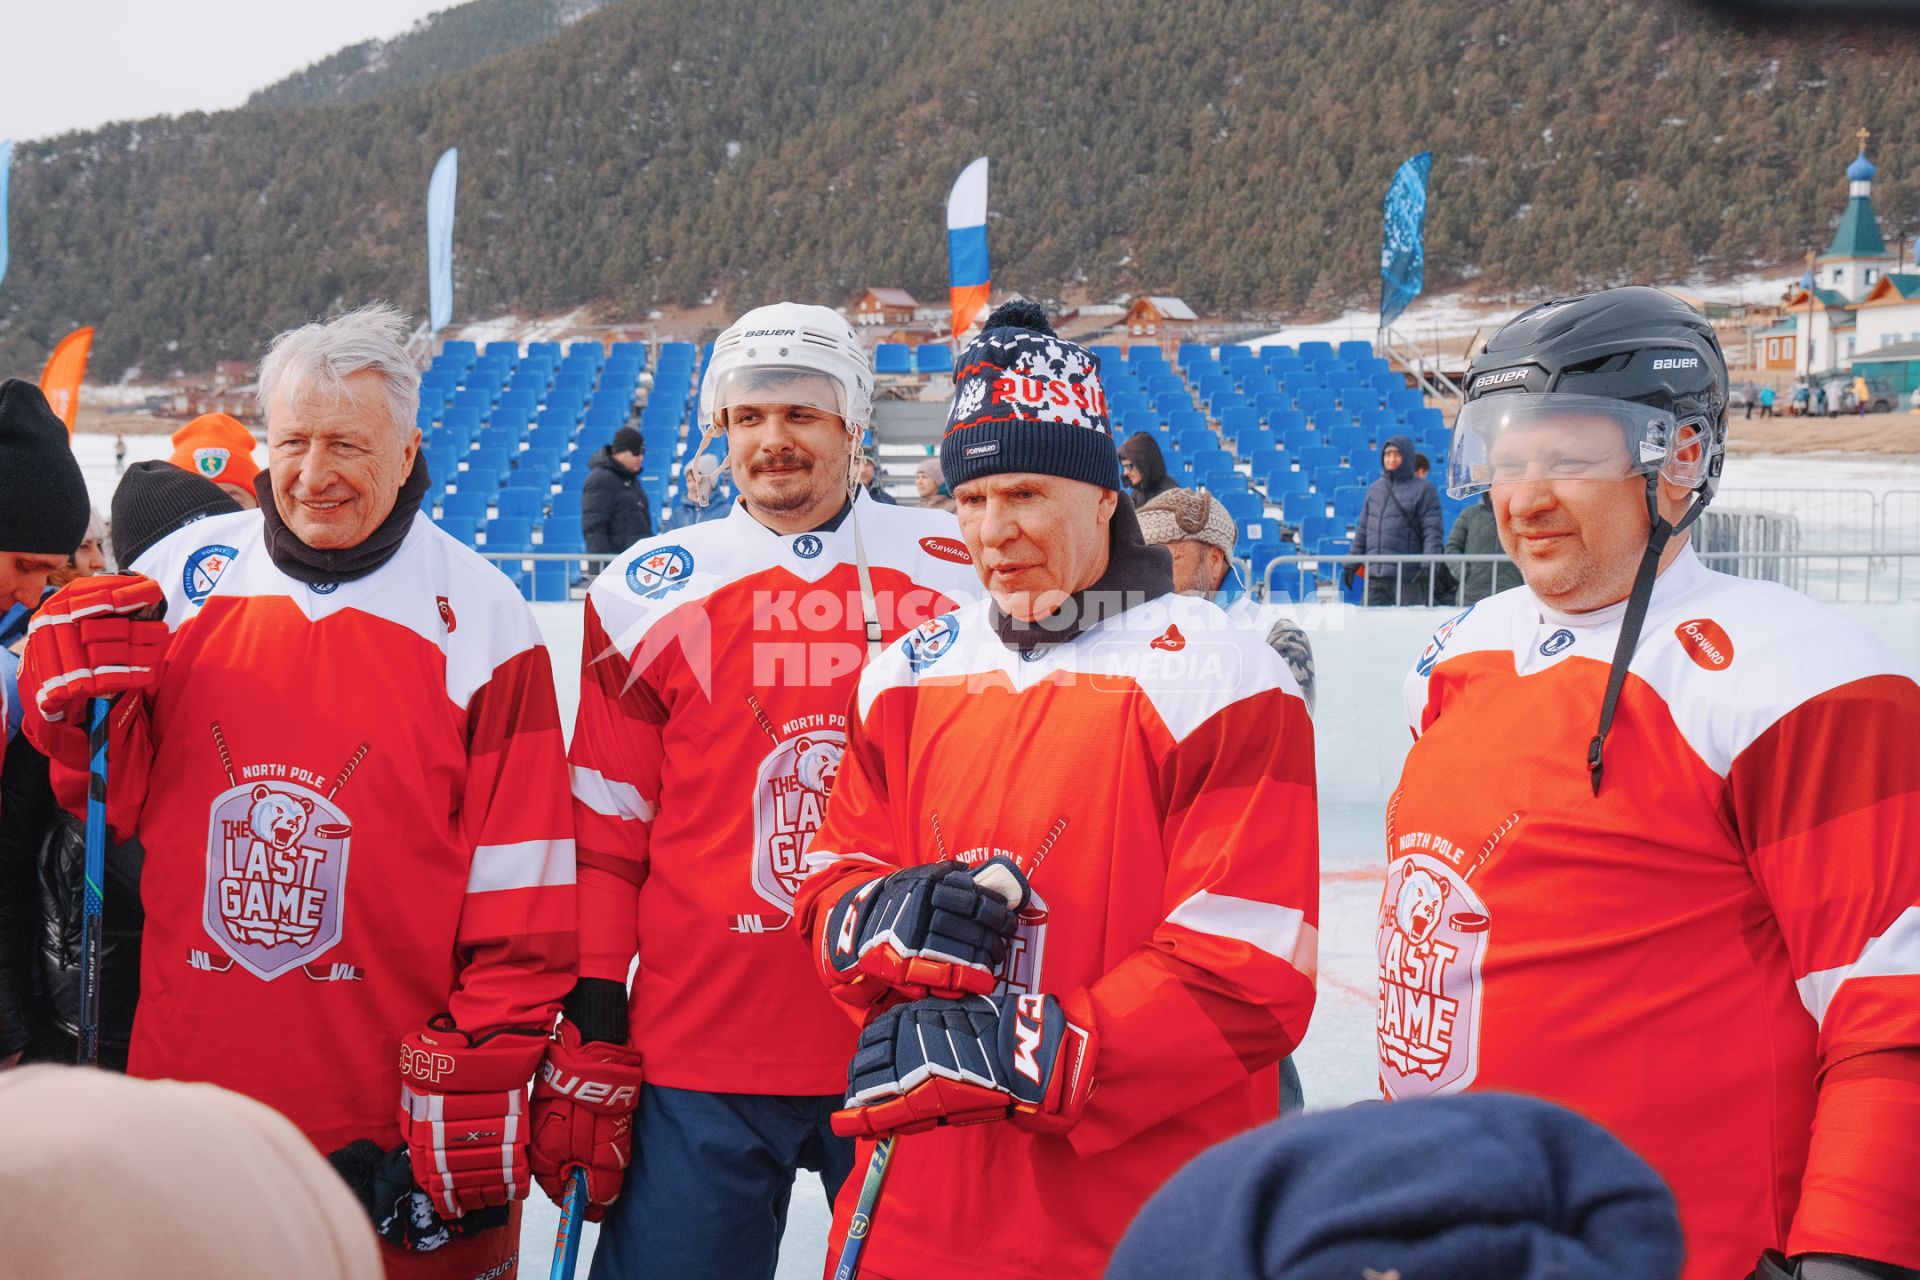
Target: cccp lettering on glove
[(463, 1104), (583, 1106), (966, 1061), (94, 638), (939, 930)]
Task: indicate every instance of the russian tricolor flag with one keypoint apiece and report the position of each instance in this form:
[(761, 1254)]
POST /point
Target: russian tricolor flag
[(967, 245)]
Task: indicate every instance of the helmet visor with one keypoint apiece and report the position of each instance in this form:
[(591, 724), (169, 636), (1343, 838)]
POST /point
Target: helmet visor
[(1525, 437), (740, 396)]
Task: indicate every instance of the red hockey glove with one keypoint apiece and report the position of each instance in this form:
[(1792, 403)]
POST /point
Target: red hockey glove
[(964, 1061), (463, 1109), (583, 1106), (936, 930), (93, 638)]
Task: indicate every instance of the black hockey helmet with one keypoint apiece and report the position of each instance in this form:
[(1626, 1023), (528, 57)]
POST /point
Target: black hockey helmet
[(1545, 394), (1636, 357)]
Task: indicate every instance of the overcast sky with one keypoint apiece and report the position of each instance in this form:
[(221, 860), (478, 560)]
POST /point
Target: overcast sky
[(74, 64)]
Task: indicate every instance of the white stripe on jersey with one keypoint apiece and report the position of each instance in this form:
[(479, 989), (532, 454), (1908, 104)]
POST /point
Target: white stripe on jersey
[(528, 864), (1281, 932), (609, 797), (1895, 953)]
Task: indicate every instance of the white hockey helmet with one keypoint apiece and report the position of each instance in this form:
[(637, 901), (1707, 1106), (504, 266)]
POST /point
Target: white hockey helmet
[(789, 353)]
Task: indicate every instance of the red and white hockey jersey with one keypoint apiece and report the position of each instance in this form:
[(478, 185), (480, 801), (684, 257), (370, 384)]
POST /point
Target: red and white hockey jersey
[(720, 660), (1719, 957), (1154, 777), (353, 803)]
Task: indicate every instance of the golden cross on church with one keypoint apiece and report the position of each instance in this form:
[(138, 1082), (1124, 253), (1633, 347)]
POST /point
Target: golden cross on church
[(1863, 135)]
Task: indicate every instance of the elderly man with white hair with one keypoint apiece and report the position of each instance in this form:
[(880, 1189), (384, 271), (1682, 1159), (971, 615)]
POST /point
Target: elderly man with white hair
[(336, 737), (1071, 857)]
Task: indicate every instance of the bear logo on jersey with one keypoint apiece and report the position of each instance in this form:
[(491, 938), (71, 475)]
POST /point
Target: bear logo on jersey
[(203, 571), (1432, 937), (789, 801), (276, 873)]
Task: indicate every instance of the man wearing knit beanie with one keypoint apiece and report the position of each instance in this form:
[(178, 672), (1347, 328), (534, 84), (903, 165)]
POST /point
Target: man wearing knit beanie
[(1071, 851), (43, 499), (217, 447), (152, 500)]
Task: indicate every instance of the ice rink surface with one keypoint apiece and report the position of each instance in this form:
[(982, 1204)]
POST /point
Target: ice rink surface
[(1361, 737)]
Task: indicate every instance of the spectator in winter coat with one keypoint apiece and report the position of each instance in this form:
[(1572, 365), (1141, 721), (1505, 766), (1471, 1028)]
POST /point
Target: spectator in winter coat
[(1767, 396), (1401, 517), (706, 493), (43, 847), (870, 480), (1475, 533), (613, 510), (932, 484), (1144, 468)]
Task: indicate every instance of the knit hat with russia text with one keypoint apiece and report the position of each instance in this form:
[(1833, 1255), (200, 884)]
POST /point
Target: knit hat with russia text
[(1026, 399)]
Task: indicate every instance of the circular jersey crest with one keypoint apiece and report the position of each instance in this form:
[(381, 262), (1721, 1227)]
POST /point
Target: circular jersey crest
[(203, 570), (659, 571), (807, 546)]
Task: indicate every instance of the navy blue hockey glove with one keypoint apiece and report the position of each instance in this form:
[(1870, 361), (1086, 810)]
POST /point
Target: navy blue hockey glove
[(966, 1061), (403, 1214), (937, 930)]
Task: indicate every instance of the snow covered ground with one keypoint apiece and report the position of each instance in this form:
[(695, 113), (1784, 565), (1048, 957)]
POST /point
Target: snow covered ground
[(1361, 656)]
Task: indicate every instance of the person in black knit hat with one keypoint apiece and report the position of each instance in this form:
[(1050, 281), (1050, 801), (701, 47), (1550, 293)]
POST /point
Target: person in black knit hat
[(154, 499), (43, 499)]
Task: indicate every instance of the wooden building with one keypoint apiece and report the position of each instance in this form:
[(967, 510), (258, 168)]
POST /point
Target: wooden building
[(890, 307)]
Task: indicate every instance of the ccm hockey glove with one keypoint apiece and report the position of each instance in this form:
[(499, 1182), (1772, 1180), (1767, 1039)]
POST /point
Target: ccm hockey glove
[(94, 638), (937, 930), (583, 1106), (965, 1061), (463, 1104)]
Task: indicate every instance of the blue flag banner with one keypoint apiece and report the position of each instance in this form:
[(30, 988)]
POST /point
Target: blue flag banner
[(440, 240), (6, 166), (1403, 253)]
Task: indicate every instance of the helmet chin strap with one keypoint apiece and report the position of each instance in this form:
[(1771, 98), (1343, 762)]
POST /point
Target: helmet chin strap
[(1659, 534), (869, 607)]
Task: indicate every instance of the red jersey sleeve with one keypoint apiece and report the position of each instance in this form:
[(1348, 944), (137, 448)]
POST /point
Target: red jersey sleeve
[(1826, 801), (1225, 985), (517, 938), (615, 763)]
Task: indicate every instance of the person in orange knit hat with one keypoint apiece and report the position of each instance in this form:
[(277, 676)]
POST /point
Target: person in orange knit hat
[(217, 447)]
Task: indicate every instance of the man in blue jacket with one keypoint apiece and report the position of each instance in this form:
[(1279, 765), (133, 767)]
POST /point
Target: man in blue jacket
[(1401, 517)]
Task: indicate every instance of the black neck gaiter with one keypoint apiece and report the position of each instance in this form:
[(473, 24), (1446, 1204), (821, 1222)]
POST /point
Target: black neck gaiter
[(342, 564), (1135, 574)]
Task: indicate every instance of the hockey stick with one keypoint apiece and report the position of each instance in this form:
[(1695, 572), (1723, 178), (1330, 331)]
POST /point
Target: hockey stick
[(862, 1224), (566, 1241), (93, 896)]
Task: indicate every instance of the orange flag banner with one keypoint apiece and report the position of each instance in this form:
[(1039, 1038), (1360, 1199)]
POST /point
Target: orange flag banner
[(60, 380)]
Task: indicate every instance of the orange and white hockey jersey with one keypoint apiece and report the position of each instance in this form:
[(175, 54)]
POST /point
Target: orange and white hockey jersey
[(1719, 957), (353, 801), (719, 663), (1154, 777)]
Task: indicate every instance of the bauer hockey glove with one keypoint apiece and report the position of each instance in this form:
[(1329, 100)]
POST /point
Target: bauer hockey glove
[(936, 930), (965, 1061), (583, 1107), (93, 638), (463, 1104)]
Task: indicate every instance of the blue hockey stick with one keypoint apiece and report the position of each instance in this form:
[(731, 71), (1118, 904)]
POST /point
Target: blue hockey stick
[(862, 1225), (94, 896), (566, 1241)]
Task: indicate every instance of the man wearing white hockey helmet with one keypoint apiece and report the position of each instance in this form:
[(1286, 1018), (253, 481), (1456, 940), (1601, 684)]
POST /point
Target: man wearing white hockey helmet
[(1699, 922), (1070, 872), (719, 662)]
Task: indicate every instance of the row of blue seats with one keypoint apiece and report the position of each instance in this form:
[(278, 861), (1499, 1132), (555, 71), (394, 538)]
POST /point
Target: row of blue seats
[(460, 350), (900, 357)]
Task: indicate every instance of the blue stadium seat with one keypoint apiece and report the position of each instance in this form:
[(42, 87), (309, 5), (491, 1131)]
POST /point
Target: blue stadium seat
[(1318, 457), (933, 357), (1284, 481), (1356, 349), (1421, 421), (483, 480), (494, 460), (1315, 530), (1354, 443), (1296, 507), (565, 505), (529, 478), (459, 528), (1378, 424), (1251, 440), (1265, 460), (1244, 507), (552, 581), (468, 506), (543, 461), (893, 357), (1347, 502), (529, 504), (1196, 439), (509, 533), (1311, 351), (1406, 400), (1190, 352), (1208, 460), (457, 350), (507, 351), (1327, 479)]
